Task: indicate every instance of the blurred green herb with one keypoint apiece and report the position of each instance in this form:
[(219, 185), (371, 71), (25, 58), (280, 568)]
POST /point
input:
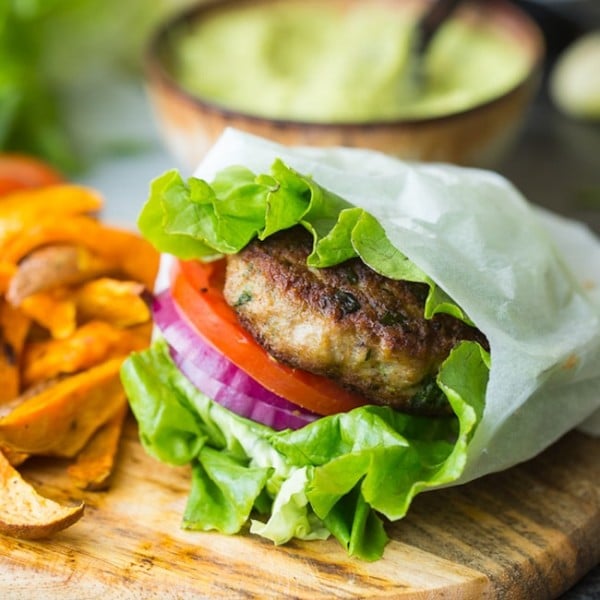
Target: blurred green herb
[(29, 111), (54, 52)]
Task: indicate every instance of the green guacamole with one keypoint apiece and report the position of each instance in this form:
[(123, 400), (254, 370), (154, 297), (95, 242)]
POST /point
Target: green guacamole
[(306, 61)]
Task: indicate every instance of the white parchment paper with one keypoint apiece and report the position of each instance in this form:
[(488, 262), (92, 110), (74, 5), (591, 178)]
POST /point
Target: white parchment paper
[(529, 280)]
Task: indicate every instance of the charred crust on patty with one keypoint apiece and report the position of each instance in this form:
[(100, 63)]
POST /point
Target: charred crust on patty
[(346, 322)]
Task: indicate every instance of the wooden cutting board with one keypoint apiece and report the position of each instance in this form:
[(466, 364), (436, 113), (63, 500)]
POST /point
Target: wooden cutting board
[(529, 533)]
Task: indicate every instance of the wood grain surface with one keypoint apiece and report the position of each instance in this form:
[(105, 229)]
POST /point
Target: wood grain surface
[(529, 532)]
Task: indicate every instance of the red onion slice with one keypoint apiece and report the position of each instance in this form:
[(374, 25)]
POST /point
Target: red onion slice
[(217, 377)]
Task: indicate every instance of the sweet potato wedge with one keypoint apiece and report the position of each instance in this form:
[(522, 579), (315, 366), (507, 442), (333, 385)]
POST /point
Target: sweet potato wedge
[(121, 303), (60, 390), (90, 344), (14, 326), (60, 419), (54, 310), (136, 258), (22, 209), (7, 271), (13, 457), (19, 171), (57, 199), (26, 514), (94, 464), (55, 266)]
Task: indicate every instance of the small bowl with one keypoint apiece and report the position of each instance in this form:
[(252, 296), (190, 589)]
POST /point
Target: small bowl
[(477, 136)]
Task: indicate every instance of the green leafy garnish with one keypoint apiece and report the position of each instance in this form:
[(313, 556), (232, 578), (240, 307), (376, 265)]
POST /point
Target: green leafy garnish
[(195, 219), (337, 475)]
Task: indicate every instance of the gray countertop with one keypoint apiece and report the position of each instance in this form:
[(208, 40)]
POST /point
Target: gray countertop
[(587, 589)]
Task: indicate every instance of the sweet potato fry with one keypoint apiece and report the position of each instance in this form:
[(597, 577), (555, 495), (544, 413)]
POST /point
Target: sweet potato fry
[(73, 304), (20, 209), (59, 199), (26, 514), (121, 303), (13, 457), (135, 257), (34, 390), (7, 270), (62, 417), (20, 171), (95, 462), (14, 326), (91, 344), (55, 266), (54, 310)]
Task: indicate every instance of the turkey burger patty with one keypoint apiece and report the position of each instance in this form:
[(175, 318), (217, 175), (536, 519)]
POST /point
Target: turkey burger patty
[(346, 322)]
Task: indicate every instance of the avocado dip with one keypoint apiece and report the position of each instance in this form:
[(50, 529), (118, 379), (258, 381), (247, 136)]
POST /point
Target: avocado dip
[(307, 61)]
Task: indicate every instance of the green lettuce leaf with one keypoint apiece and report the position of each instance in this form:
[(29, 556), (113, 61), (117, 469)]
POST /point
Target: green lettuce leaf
[(198, 220), (59, 60), (338, 475), (223, 492)]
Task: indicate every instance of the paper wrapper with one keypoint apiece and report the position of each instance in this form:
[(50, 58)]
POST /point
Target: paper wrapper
[(528, 279)]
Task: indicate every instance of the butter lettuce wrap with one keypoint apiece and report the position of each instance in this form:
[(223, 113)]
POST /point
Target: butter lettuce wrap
[(487, 258)]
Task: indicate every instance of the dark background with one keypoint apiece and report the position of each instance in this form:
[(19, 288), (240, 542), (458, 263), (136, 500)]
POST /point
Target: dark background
[(557, 159)]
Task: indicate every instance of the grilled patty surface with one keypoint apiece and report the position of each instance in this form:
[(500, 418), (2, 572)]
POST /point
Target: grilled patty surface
[(347, 322)]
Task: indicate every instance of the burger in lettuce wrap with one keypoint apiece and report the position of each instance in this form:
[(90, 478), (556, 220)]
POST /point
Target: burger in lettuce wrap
[(337, 331)]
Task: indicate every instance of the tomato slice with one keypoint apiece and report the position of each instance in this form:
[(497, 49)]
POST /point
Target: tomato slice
[(18, 171), (197, 288)]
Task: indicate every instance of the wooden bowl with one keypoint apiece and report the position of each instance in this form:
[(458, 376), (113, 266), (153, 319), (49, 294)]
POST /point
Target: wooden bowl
[(478, 136)]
